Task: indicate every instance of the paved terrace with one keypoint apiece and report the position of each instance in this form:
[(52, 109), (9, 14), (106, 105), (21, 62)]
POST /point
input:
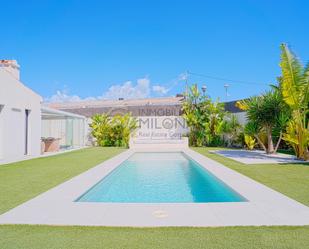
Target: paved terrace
[(256, 156)]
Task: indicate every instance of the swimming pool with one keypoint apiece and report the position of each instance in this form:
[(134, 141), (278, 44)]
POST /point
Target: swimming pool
[(160, 177)]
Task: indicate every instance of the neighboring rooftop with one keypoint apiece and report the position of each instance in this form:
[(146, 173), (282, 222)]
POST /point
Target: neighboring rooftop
[(231, 107), (121, 102), (168, 106)]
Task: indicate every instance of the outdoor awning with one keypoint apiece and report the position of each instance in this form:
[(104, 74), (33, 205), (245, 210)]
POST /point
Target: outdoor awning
[(50, 113)]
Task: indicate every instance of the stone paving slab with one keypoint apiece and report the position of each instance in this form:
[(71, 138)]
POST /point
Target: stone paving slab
[(256, 156)]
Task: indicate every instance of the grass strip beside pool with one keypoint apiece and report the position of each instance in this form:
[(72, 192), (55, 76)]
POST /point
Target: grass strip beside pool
[(21, 181), (289, 179)]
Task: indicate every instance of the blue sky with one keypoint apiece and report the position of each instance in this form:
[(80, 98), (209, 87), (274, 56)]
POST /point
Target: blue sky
[(71, 50)]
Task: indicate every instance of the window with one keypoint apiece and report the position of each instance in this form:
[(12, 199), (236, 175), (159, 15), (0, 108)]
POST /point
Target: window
[(27, 112)]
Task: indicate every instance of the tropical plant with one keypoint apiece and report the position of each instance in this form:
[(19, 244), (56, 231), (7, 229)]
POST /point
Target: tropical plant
[(294, 85), (250, 142), (254, 130), (203, 117), (266, 113), (231, 129), (121, 127), (100, 126), (193, 109), (214, 127), (113, 131)]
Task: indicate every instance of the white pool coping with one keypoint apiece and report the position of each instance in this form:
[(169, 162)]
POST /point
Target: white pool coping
[(57, 207)]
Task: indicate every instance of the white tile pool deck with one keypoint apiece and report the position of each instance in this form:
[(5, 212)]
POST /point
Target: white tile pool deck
[(57, 207), (256, 156)]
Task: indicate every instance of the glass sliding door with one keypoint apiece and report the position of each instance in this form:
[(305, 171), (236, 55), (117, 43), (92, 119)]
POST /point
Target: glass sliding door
[(69, 133)]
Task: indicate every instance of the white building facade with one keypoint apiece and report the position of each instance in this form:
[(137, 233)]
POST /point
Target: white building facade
[(20, 115), (24, 121)]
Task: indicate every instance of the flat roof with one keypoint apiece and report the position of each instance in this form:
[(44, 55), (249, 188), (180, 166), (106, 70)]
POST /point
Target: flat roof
[(50, 113), (117, 103), (138, 107)]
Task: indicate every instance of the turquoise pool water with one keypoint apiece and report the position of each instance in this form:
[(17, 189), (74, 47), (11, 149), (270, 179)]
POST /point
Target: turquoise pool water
[(160, 178)]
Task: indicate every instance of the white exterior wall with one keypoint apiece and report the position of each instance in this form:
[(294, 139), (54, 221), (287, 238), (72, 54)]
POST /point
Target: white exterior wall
[(161, 127), (15, 98)]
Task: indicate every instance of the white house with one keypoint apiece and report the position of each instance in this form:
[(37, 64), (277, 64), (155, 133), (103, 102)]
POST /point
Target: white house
[(23, 121), (20, 115)]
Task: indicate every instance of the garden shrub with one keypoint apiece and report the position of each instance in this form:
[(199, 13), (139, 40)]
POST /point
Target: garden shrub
[(113, 131)]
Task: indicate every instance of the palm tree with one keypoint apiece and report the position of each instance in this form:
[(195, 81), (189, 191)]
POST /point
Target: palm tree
[(294, 85), (266, 113), (253, 129)]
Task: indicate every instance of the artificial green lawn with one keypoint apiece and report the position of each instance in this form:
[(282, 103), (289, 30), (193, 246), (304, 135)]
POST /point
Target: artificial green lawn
[(289, 179), (44, 237), (24, 180)]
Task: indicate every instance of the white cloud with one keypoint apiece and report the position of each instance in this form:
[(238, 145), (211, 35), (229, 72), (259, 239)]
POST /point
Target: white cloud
[(182, 76), (129, 91), (161, 90), (62, 96)]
